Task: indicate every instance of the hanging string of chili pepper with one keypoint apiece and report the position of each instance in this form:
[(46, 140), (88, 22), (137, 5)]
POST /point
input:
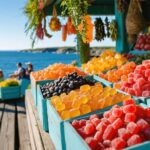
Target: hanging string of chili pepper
[(99, 29)]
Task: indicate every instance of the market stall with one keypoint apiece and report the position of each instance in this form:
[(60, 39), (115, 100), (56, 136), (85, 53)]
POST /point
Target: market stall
[(105, 103)]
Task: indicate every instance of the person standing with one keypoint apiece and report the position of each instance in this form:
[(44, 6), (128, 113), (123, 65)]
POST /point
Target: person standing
[(29, 69)]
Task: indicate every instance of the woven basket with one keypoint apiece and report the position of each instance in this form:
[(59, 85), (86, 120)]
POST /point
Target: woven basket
[(134, 20)]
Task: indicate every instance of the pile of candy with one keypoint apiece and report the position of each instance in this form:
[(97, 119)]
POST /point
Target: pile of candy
[(138, 82), (107, 60), (56, 71), (86, 99), (120, 127), (115, 75), (64, 85), (9, 82)]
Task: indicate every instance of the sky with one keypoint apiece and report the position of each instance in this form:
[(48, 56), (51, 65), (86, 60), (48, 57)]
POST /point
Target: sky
[(12, 27)]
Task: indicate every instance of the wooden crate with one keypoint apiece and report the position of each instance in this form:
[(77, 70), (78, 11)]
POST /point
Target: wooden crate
[(42, 106), (73, 141)]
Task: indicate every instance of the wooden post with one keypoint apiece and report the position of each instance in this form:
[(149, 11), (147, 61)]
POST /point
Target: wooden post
[(84, 49), (122, 45)]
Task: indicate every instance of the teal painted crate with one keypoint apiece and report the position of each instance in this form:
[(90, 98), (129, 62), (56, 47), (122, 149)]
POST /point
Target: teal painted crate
[(139, 52), (7, 93), (24, 85), (105, 82), (56, 126), (34, 88), (73, 141), (42, 106)]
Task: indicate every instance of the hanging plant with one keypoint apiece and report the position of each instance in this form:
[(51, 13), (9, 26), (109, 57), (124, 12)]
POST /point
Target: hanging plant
[(99, 29), (86, 29), (76, 9), (70, 27), (34, 12), (107, 27), (55, 24), (64, 32), (113, 30)]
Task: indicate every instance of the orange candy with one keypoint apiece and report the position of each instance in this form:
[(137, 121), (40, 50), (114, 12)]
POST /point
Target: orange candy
[(121, 73), (56, 71)]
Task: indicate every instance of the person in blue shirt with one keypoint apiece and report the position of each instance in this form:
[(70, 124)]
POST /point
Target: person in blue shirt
[(29, 69)]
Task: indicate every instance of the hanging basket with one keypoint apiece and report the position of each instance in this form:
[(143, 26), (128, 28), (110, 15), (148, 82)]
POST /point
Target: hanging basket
[(134, 20)]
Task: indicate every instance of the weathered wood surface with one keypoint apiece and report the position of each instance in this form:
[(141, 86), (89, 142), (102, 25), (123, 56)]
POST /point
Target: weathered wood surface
[(40, 140), (14, 134)]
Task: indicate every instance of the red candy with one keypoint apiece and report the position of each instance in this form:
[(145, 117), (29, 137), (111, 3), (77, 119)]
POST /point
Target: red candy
[(127, 102), (89, 129), (142, 124), (107, 114), (95, 121), (118, 143), (98, 136), (134, 139), (101, 127), (124, 134), (76, 124), (116, 112), (132, 128), (130, 117), (148, 112), (129, 108), (91, 142), (117, 123), (109, 133), (111, 119), (93, 116), (82, 123)]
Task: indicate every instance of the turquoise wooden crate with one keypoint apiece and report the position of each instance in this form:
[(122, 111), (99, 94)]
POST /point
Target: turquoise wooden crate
[(105, 82), (42, 106), (139, 52), (55, 126), (7, 93), (34, 88), (24, 85), (73, 141)]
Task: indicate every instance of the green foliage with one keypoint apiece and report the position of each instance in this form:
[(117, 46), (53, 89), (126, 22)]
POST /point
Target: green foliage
[(76, 9), (34, 18)]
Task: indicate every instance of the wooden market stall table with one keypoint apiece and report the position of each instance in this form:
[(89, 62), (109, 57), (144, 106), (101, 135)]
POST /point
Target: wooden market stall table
[(40, 140), (14, 134)]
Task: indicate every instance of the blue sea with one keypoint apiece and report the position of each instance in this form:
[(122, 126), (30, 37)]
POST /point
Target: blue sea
[(9, 59)]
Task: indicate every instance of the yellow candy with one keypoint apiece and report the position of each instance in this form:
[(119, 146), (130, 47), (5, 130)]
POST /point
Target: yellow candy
[(85, 109), (74, 112), (60, 107), (65, 114), (85, 88), (55, 100)]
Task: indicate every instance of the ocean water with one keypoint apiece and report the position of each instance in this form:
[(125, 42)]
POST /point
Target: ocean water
[(9, 59)]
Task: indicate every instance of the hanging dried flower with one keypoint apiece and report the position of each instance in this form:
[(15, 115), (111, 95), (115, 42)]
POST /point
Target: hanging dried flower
[(64, 32), (87, 32), (70, 27), (55, 24), (40, 32)]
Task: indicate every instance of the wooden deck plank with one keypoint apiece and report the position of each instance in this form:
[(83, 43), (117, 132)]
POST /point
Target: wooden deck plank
[(34, 127), (45, 138), (7, 133), (30, 132), (24, 140)]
